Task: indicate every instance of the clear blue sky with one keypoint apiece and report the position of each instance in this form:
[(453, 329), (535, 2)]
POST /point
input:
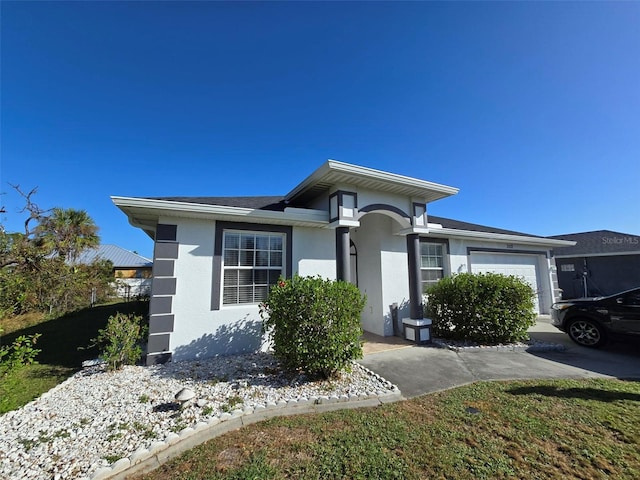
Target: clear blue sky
[(531, 109)]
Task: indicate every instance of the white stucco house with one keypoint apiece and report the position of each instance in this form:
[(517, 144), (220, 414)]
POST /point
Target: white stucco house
[(216, 257)]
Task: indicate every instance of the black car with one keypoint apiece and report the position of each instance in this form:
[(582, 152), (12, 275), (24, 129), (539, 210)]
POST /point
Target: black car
[(592, 321)]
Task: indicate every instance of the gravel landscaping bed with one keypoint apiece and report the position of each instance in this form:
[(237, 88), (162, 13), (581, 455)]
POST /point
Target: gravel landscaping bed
[(96, 417)]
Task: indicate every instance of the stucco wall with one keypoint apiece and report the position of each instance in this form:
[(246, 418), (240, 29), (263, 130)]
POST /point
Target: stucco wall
[(368, 197), (395, 280), (314, 252), (199, 331), (382, 271)]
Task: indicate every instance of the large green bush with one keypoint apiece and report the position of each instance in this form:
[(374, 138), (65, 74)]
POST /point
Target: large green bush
[(314, 324), (486, 308)]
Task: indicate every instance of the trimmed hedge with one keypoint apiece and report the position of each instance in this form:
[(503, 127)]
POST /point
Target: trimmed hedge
[(314, 324), (485, 308)]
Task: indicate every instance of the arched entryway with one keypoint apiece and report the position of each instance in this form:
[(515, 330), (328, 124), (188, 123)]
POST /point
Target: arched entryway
[(381, 269)]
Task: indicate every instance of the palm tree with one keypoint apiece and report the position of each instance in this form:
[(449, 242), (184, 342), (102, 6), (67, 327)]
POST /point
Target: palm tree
[(67, 232)]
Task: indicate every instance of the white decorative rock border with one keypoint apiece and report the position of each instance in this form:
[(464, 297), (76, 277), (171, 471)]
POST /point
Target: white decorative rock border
[(530, 346), (146, 460), (103, 425)]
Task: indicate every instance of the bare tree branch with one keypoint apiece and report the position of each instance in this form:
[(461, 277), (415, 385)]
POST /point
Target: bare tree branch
[(35, 212)]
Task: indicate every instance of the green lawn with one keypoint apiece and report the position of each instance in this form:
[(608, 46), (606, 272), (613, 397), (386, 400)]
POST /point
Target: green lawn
[(60, 356), (585, 429)]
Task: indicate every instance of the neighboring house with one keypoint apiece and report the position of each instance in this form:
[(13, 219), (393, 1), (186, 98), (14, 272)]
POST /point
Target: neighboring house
[(216, 257), (600, 263), (132, 272)]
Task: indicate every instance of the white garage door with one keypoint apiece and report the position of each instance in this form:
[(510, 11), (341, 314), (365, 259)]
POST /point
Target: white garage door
[(524, 266)]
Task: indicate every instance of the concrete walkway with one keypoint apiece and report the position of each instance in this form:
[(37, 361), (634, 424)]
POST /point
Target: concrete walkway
[(419, 370)]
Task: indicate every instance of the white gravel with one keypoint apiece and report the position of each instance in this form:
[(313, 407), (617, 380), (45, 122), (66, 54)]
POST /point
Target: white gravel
[(96, 417)]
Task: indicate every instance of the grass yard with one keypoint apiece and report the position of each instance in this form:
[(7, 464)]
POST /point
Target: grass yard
[(560, 429), (60, 357)]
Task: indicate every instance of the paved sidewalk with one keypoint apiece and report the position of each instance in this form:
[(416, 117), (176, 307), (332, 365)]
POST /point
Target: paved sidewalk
[(418, 370)]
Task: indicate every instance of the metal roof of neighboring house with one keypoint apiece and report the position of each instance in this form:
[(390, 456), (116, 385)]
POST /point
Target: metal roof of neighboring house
[(120, 257), (598, 242)]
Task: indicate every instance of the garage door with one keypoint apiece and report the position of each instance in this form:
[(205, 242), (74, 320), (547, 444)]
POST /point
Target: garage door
[(523, 266)]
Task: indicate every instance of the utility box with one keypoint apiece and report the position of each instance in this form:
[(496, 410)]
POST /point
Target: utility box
[(417, 331)]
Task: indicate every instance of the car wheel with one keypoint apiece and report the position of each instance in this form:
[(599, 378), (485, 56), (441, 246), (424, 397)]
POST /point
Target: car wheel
[(587, 333)]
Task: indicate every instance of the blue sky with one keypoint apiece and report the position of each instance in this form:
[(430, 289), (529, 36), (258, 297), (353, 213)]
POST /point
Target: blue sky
[(531, 109)]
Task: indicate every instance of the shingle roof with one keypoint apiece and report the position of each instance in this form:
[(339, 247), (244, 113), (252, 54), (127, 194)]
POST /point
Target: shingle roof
[(120, 257), (278, 204), (258, 203), (474, 227), (598, 242)]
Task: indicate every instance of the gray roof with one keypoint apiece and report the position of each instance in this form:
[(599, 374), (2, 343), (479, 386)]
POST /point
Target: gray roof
[(598, 242), (279, 204), (474, 227), (120, 257), (258, 203)]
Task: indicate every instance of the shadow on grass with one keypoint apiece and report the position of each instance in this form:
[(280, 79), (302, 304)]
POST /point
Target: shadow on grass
[(580, 393), (62, 336)]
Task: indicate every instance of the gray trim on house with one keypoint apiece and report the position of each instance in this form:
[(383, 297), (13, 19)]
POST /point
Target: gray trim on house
[(160, 305), (416, 307), (161, 324), (279, 203), (165, 250), (161, 318), (470, 250), (343, 254), (383, 206), (163, 268), (216, 300), (334, 218), (166, 232), (159, 343), (339, 195), (163, 286)]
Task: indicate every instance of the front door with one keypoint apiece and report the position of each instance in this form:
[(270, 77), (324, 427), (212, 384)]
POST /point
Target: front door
[(353, 256)]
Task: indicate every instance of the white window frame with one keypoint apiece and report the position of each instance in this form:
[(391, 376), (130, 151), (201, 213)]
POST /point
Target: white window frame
[(427, 283), (279, 270)]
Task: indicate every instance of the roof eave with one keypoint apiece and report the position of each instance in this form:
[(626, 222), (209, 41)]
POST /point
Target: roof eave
[(434, 191), (138, 209), (498, 237)]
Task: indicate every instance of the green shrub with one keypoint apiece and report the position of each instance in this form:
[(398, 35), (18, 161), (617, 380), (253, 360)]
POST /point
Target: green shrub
[(20, 353), (119, 341), (485, 308), (314, 324)]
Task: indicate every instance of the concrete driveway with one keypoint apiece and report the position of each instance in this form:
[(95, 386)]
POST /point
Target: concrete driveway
[(418, 370)]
